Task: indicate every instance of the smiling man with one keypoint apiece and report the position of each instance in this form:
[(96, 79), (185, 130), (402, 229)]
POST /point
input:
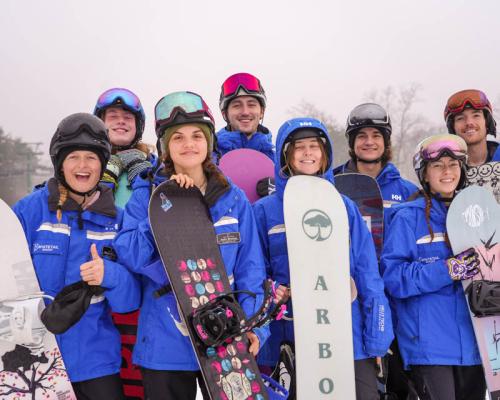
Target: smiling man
[(368, 133), (242, 104), (469, 114)]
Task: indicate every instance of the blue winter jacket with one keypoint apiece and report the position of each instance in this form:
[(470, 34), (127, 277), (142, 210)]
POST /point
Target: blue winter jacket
[(162, 341), (393, 187), (90, 348), (372, 329), (493, 151), (434, 326), (261, 140)]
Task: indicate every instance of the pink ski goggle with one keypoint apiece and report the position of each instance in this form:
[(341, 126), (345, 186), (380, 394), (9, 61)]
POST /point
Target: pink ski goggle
[(242, 80), (435, 146)]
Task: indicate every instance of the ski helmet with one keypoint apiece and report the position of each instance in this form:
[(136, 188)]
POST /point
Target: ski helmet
[(306, 128), (241, 84), (470, 98), (368, 115), (80, 131), (435, 147), (182, 108), (124, 98)]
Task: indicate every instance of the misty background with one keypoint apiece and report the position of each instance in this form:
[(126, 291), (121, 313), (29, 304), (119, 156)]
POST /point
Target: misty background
[(314, 58)]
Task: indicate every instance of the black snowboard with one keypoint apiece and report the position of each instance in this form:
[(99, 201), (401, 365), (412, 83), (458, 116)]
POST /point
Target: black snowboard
[(185, 237), (364, 191)]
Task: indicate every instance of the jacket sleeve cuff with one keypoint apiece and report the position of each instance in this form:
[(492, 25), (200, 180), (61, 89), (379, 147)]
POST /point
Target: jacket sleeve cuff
[(263, 334), (110, 279)]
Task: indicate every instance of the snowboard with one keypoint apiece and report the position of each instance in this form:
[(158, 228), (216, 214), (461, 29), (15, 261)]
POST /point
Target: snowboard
[(130, 374), (185, 237), (31, 365), (317, 234), (487, 175), (473, 220), (365, 192), (246, 167)]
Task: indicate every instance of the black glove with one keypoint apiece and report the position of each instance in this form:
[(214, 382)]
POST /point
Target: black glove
[(69, 306), (463, 265), (266, 186)]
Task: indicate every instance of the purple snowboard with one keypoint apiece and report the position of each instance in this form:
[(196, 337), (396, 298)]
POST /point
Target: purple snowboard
[(246, 167)]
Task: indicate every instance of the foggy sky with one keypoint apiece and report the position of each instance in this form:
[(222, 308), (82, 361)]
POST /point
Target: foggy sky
[(58, 56)]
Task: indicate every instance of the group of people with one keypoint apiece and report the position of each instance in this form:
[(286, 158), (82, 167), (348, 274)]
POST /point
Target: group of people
[(92, 219)]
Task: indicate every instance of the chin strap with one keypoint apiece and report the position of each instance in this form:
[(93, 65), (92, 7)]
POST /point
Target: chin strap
[(369, 161)]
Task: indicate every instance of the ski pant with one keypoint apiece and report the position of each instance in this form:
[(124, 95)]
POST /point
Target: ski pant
[(107, 387), (172, 385), (449, 382), (399, 384), (365, 374)]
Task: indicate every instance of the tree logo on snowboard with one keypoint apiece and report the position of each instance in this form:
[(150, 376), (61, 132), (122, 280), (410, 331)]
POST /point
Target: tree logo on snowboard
[(317, 225)]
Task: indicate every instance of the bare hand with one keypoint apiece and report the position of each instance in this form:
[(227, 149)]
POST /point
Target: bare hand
[(92, 271), (282, 294), (183, 180), (254, 343)]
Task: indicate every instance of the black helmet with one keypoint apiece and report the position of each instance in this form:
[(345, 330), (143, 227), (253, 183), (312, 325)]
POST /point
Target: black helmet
[(124, 98), (368, 115), (80, 131)]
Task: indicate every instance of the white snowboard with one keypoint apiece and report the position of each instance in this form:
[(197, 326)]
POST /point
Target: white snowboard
[(317, 232), (31, 366)]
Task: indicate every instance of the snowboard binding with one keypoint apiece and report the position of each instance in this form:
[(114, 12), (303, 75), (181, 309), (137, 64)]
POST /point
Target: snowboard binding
[(484, 298), (222, 318)]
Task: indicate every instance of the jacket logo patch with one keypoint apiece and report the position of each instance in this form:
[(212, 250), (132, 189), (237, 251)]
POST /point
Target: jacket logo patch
[(46, 248), (228, 238)]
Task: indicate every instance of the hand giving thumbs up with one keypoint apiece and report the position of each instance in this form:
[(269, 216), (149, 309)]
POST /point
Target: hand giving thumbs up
[(92, 271)]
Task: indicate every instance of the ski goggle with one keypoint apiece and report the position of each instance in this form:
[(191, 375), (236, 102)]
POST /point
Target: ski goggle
[(368, 113), (457, 102), (119, 96), (434, 147), (71, 128), (242, 80), (188, 103)]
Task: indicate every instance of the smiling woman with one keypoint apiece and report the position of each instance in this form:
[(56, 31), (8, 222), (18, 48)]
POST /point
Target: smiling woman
[(82, 171), (423, 277), (75, 218)]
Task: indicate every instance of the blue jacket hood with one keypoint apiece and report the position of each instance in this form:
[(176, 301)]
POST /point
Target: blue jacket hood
[(283, 133)]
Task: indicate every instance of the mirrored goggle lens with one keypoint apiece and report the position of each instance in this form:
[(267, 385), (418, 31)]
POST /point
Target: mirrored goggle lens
[(185, 101), (435, 149), (370, 113), (248, 82), (119, 96), (458, 101)]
